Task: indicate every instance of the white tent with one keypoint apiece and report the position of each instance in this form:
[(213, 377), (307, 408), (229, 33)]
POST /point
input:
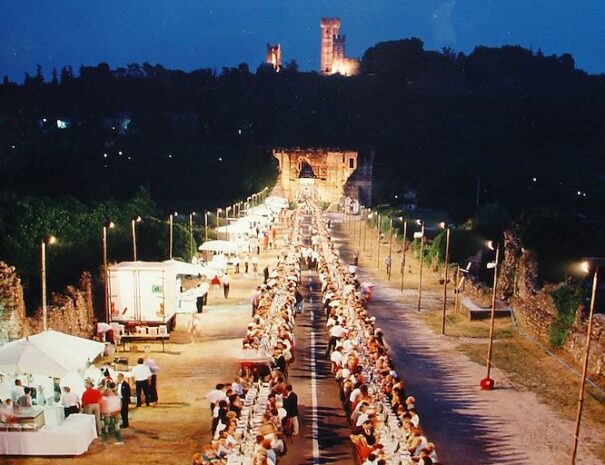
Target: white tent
[(219, 246), (275, 201), (86, 348), (50, 354)]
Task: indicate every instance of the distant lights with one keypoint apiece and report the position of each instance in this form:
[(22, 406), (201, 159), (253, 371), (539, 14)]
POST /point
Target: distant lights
[(104, 155), (120, 152), (534, 179), (220, 159), (169, 155)]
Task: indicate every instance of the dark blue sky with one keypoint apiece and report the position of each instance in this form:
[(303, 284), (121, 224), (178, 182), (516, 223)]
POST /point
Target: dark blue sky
[(191, 34)]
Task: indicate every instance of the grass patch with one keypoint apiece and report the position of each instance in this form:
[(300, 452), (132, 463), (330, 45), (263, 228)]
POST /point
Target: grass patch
[(554, 384), (459, 325)]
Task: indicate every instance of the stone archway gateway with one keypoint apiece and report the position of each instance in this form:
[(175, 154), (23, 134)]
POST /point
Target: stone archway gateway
[(325, 175)]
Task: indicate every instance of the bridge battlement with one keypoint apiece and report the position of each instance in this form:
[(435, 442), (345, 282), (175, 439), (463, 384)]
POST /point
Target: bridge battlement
[(326, 175)]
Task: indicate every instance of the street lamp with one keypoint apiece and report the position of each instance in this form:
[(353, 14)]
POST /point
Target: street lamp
[(586, 267), (106, 226), (171, 233), (218, 220), (365, 227), (48, 240), (227, 222), (378, 237), (361, 217), (420, 235), (133, 230), (206, 226), (405, 234), (487, 383), (390, 249), (191, 215), (447, 258)]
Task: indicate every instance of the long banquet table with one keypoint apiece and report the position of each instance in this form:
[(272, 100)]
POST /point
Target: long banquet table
[(73, 437)]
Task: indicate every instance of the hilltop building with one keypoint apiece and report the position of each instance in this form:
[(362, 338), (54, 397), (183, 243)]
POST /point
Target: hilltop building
[(274, 56), (333, 57)]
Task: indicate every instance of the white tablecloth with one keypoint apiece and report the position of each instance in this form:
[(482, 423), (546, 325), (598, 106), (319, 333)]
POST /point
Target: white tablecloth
[(73, 437), (54, 415)]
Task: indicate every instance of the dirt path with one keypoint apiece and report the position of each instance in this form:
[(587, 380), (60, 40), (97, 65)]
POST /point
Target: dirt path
[(503, 427)]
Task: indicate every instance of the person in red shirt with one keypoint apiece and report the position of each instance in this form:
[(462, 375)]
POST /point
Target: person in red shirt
[(91, 404)]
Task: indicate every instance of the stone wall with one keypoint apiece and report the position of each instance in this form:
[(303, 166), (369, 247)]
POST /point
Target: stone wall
[(12, 306), (70, 312), (534, 306)]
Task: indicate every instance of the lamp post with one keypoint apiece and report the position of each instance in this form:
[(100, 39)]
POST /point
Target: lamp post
[(403, 247), (218, 220), (133, 230), (361, 220), (420, 235), (447, 257), (171, 234), (365, 228), (227, 222), (206, 226), (378, 237), (191, 215), (390, 248), (593, 296), (106, 226), (487, 384), (404, 225), (48, 240)]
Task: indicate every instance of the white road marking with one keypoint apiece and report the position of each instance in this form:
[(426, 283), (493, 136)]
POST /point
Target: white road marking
[(314, 417)]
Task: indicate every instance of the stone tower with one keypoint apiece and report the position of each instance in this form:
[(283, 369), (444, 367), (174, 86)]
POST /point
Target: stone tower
[(274, 56), (330, 27)]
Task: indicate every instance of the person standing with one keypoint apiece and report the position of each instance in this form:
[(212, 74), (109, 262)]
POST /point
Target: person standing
[(246, 263), (291, 408), (226, 282), (70, 401), (124, 392), (236, 263), (388, 262), (91, 401), (110, 409), (255, 299), (266, 274), (255, 264), (202, 296), (17, 391), (142, 376), (153, 381)]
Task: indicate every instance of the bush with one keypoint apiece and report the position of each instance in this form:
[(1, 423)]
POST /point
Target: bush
[(566, 299)]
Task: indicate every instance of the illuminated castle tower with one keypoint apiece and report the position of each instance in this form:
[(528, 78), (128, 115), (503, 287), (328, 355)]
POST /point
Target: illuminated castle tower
[(330, 27), (274, 56), (333, 58)]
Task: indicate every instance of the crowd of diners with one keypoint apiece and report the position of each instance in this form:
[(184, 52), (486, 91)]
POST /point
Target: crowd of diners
[(254, 412), (385, 426)]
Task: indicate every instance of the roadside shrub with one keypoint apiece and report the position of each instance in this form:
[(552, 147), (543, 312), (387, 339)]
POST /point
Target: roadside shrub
[(566, 299)]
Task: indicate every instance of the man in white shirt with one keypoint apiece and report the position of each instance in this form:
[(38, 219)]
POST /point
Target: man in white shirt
[(337, 359), (336, 332), (17, 391), (216, 395), (142, 376), (70, 401)]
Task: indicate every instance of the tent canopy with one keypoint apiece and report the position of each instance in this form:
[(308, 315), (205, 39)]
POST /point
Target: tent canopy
[(219, 246), (49, 353)]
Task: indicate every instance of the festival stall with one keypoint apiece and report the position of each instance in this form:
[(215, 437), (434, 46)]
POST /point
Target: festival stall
[(43, 362)]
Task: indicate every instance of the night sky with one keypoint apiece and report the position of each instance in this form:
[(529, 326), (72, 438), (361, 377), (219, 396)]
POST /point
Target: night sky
[(193, 34)]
